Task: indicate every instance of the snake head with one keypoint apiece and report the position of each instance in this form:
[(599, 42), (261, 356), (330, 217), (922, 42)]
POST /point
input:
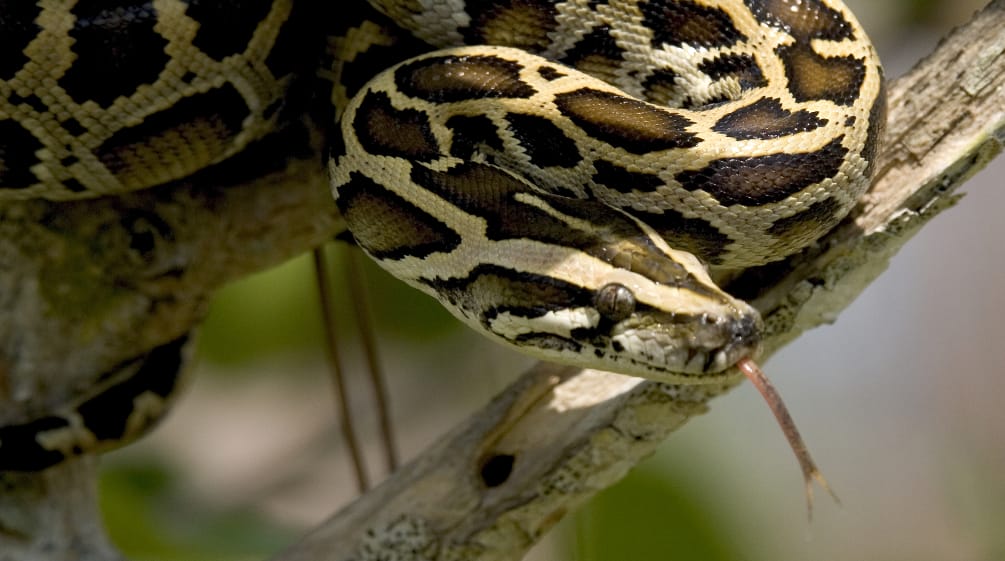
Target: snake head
[(624, 321), (589, 285)]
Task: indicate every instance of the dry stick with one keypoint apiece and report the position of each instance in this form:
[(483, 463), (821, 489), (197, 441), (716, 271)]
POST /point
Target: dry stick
[(360, 296), (338, 375)]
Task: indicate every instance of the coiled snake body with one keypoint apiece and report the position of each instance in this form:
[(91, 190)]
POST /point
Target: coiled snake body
[(561, 184)]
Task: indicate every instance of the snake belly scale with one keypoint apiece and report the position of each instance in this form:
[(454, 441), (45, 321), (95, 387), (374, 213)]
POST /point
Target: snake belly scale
[(560, 175)]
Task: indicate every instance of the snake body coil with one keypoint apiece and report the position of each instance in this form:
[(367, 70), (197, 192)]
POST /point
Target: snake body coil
[(559, 175)]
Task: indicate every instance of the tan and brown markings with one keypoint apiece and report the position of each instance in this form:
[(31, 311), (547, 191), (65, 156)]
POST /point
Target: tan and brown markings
[(566, 216)]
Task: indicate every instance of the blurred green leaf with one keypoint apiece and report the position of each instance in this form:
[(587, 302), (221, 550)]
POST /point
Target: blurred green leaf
[(651, 515), (147, 522)]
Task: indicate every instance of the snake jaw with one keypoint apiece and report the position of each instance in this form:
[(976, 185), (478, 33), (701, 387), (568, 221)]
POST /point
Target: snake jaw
[(667, 348)]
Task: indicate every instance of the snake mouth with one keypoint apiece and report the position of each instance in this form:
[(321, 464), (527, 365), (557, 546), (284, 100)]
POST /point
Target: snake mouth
[(673, 349)]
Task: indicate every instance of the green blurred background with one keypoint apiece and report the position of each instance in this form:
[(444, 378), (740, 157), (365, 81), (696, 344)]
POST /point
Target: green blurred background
[(899, 401)]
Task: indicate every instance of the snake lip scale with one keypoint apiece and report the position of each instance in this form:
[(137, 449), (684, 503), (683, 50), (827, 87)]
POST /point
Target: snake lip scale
[(566, 177)]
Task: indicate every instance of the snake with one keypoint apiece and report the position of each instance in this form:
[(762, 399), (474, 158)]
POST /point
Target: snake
[(567, 177)]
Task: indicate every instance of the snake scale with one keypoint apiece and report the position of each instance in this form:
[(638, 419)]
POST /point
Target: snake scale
[(561, 175)]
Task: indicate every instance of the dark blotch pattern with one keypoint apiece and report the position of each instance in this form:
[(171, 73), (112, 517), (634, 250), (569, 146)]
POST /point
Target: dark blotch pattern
[(819, 217), (17, 155), (549, 73), (545, 144), (597, 51), (693, 235), (812, 77), (389, 227), (491, 290), (17, 29), (742, 67), (677, 23), (471, 132), (490, 192), (226, 26), (386, 131), (661, 86), (105, 414), (877, 123), (117, 50), (804, 19), (764, 180), (766, 118), (516, 23), (624, 122), (209, 121), (457, 78), (610, 235), (615, 177), (20, 451)]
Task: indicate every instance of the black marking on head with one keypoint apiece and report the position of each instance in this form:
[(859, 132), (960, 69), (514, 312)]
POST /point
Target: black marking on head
[(17, 29), (805, 20), (17, 155), (196, 131), (451, 78), (545, 144), (549, 342), (550, 73), (117, 50), (624, 122), (389, 227), (685, 22), (814, 77), (490, 290), (615, 177), (693, 235), (811, 223), (386, 131), (743, 68), (226, 27), (766, 118), (762, 180), (471, 132)]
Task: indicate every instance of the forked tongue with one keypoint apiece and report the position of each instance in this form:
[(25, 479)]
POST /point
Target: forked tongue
[(810, 470)]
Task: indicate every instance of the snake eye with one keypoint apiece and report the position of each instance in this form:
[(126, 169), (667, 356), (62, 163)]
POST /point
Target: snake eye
[(615, 301)]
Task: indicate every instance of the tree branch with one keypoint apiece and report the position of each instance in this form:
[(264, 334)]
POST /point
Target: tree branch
[(87, 284)]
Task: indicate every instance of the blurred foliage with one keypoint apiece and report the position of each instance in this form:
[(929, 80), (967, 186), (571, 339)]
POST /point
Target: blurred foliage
[(652, 515), (148, 521), (277, 311)]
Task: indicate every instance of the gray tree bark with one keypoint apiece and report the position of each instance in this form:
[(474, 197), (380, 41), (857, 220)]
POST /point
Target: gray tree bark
[(87, 285)]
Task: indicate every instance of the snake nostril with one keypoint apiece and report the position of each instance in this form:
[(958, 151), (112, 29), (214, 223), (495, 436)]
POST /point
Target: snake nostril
[(747, 330)]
